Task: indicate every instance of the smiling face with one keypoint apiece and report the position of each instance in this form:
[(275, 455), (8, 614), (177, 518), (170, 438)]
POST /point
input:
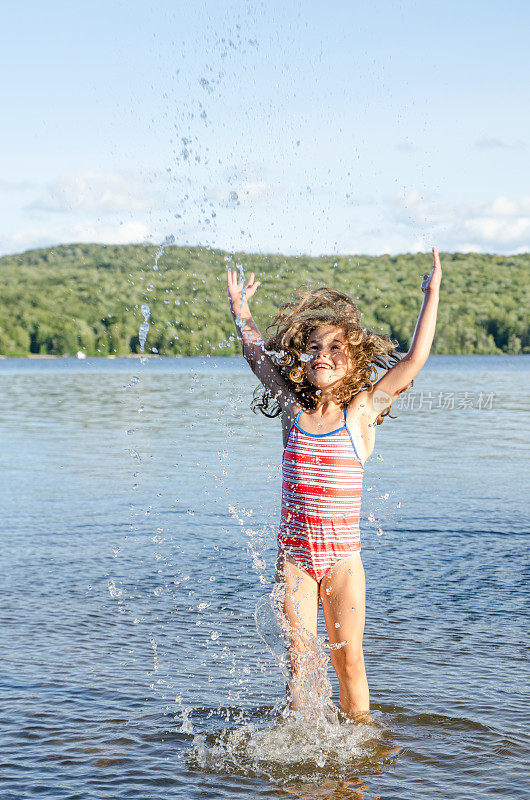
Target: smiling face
[(327, 359)]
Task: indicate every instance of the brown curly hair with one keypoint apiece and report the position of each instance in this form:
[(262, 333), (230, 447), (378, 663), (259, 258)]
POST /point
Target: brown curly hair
[(292, 327)]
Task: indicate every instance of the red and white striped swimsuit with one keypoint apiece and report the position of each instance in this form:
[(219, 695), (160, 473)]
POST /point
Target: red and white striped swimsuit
[(321, 498)]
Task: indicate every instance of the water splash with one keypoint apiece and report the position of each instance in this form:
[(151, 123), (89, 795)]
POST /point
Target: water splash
[(306, 673), (168, 241), (144, 327), (187, 725), (306, 670), (114, 590), (291, 750), (146, 311), (284, 745)]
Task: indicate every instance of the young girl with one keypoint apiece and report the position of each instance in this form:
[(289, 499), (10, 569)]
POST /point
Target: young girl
[(320, 373)]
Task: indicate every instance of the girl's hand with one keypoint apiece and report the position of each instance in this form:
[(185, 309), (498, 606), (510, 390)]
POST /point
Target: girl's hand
[(432, 282), (235, 289)]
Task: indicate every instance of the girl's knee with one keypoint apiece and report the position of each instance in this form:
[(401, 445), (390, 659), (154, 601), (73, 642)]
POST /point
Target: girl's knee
[(351, 665)]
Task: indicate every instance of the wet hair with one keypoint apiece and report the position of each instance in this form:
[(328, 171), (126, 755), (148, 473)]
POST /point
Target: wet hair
[(291, 329)]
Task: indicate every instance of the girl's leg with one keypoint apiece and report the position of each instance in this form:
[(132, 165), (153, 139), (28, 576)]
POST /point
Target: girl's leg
[(342, 592), (300, 612)]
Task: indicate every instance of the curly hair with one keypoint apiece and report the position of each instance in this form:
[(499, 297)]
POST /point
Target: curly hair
[(291, 328)]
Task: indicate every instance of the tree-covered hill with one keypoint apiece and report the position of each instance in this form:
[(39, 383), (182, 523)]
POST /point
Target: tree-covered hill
[(88, 297)]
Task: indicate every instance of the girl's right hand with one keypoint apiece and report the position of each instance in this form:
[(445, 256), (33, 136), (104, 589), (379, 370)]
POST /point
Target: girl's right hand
[(235, 289)]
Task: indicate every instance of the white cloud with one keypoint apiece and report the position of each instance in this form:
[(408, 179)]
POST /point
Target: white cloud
[(493, 229), (252, 191), (500, 225), (248, 171), (127, 233), (92, 192), (420, 245), (247, 185), (360, 199), (408, 221), (246, 194)]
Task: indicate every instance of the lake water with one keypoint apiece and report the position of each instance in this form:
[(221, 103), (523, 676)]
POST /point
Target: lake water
[(140, 657)]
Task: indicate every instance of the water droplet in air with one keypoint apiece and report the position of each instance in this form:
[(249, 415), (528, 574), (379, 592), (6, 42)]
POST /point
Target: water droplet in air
[(114, 590)]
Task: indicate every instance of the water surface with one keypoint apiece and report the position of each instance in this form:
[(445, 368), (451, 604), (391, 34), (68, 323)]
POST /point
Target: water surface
[(139, 654)]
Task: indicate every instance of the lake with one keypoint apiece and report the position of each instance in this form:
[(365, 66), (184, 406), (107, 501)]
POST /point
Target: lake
[(140, 655)]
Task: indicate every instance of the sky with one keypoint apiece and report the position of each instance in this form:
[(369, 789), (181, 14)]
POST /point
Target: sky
[(278, 127)]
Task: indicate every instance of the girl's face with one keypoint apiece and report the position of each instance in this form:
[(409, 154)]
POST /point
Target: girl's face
[(327, 358)]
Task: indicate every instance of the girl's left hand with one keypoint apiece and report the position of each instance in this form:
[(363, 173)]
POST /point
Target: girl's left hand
[(432, 282)]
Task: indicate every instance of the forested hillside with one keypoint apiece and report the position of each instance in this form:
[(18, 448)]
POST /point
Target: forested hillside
[(89, 297)]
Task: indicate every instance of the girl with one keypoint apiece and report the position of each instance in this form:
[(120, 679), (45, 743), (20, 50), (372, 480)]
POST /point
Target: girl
[(319, 372)]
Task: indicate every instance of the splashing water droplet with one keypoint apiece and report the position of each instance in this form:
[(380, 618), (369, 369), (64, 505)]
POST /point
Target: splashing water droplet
[(187, 725), (154, 645), (144, 327), (114, 590), (168, 241)]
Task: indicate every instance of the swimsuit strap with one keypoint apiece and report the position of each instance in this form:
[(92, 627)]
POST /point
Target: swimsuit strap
[(295, 423), (351, 437)]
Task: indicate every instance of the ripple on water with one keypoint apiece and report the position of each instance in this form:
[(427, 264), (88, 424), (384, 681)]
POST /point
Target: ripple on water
[(87, 711)]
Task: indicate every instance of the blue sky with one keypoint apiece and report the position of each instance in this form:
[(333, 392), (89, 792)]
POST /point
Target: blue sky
[(267, 126)]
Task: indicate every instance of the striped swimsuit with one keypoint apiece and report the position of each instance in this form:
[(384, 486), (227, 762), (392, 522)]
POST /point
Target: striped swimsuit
[(321, 498)]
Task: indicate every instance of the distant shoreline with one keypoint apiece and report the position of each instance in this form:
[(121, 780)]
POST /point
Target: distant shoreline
[(155, 357), (92, 299), (101, 355)]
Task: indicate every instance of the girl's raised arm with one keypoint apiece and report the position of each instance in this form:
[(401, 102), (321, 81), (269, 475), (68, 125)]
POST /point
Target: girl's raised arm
[(401, 374), (252, 341)]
